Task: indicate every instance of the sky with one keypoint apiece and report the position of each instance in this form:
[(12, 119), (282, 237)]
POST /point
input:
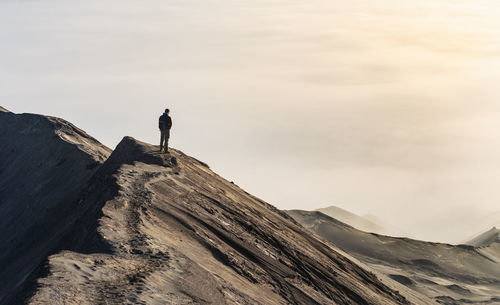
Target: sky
[(386, 107)]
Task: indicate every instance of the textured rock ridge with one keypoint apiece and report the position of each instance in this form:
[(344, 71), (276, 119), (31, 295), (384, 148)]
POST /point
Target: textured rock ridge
[(165, 229)]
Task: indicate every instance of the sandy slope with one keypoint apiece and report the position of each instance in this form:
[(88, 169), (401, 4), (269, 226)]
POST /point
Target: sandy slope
[(449, 274), (170, 231), (44, 163)]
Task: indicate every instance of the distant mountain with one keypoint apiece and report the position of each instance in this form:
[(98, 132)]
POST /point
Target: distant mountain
[(140, 227), (368, 223), (480, 225), (485, 239), (447, 273)]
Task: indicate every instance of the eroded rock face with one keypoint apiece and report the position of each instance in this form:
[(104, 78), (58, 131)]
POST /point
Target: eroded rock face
[(165, 229), (44, 163)]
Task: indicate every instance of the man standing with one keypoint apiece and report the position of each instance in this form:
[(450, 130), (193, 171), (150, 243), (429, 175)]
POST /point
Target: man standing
[(165, 123)]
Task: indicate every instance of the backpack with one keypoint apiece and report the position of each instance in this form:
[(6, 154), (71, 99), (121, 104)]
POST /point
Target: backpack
[(162, 122)]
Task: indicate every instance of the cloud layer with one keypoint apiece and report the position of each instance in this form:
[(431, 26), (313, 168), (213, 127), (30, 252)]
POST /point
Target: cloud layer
[(389, 108)]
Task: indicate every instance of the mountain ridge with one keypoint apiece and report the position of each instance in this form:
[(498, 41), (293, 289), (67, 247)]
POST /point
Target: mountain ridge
[(129, 226), (141, 227)]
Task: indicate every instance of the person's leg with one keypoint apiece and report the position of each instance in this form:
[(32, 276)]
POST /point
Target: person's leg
[(162, 138), (167, 136)]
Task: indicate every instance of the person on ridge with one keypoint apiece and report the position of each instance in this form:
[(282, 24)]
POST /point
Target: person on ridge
[(165, 123)]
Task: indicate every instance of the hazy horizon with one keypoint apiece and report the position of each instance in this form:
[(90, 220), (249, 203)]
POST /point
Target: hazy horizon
[(383, 108)]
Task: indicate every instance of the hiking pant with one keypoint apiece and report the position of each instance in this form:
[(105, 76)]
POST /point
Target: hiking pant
[(165, 134)]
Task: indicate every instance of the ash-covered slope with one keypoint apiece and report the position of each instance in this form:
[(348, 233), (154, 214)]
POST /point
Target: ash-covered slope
[(44, 163), (449, 274), (170, 231)]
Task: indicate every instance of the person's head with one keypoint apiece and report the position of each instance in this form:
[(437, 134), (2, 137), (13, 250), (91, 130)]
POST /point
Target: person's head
[(167, 110)]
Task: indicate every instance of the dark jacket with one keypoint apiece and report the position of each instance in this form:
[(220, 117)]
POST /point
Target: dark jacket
[(165, 122)]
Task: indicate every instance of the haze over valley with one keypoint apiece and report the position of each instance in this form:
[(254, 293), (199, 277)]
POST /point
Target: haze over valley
[(370, 106)]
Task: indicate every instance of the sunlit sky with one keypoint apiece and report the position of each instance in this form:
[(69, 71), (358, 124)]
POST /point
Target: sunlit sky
[(385, 107)]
